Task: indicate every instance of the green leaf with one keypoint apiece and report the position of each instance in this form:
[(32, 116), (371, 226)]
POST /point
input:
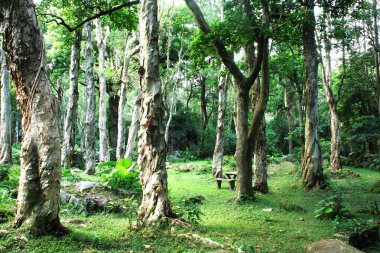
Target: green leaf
[(106, 164), (126, 163)]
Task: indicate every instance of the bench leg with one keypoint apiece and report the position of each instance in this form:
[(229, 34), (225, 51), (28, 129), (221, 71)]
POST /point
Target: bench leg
[(219, 183), (232, 185)]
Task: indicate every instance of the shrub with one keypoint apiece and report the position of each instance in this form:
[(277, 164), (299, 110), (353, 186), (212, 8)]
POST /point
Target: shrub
[(331, 208), (68, 176), (343, 173), (190, 210), (120, 174), (290, 207)]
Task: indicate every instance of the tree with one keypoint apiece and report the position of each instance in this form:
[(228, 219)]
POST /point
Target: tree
[(91, 102), (72, 104), (155, 203), (39, 185), (312, 172), (5, 116), (101, 38), (244, 150)]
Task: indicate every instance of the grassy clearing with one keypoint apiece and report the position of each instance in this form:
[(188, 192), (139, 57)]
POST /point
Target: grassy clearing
[(246, 226)]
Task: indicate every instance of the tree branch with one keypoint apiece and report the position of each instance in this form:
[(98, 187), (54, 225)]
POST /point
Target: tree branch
[(61, 21), (227, 59)]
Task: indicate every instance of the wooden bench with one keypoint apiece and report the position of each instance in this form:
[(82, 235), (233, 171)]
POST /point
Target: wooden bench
[(231, 181)]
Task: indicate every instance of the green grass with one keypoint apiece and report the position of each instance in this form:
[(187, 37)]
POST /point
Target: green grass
[(245, 226)]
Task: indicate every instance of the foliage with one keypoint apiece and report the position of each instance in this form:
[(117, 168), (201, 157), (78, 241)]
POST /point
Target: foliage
[(67, 175), (120, 174), (189, 209), (331, 208), (291, 207), (343, 173), (375, 188)]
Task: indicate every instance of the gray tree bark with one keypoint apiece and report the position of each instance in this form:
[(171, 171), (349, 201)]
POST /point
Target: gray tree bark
[(155, 203), (101, 38), (129, 52), (72, 104), (217, 160), (91, 102), (39, 183), (5, 115), (289, 118), (133, 128), (312, 172)]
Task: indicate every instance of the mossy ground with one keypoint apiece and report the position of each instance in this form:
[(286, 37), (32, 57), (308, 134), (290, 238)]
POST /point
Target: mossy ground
[(243, 225)]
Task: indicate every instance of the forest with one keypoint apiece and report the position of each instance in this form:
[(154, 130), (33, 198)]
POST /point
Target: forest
[(214, 126)]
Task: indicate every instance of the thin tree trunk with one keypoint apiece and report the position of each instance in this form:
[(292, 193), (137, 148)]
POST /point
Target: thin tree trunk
[(203, 102), (335, 161), (217, 160), (113, 105), (5, 116), (312, 172), (120, 148), (260, 174), (101, 39), (72, 104), (133, 128), (289, 118), (172, 104), (39, 183), (155, 204), (91, 102), (376, 50)]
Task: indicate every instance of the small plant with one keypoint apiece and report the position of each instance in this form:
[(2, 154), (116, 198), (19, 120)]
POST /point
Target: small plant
[(331, 208), (68, 176), (343, 173), (190, 209), (372, 207), (130, 209), (120, 174), (290, 207)]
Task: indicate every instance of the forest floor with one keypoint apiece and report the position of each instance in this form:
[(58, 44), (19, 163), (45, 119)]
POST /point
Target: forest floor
[(281, 221)]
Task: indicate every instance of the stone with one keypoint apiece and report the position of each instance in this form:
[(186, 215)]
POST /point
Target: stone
[(331, 246), (85, 185), (3, 232)]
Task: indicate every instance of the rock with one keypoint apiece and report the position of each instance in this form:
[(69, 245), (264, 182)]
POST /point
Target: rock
[(76, 170), (289, 158), (69, 198), (3, 232), (66, 183), (331, 246), (85, 185), (301, 219), (267, 210)]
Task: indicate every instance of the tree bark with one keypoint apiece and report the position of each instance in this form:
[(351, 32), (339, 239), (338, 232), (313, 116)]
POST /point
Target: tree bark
[(72, 104), (312, 172), (5, 116), (101, 39), (204, 115), (217, 160), (39, 183), (376, 50), (91, 102), (113, 105), (120, 148), (289, 118), (155, 203), (133, 128), (260, 174)]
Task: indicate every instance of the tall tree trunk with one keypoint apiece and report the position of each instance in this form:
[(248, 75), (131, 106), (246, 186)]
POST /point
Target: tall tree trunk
[(335, 161), (289, 118), (120, 148), (217, 160), (113, 105), (101, 39), (244, 170), (376, 50), (72, 104), (172, 105), (91, 102), (5, 116), (39, 183), (260, 174), (204, 115), (312, 172), (155, 203), (133, 128)]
